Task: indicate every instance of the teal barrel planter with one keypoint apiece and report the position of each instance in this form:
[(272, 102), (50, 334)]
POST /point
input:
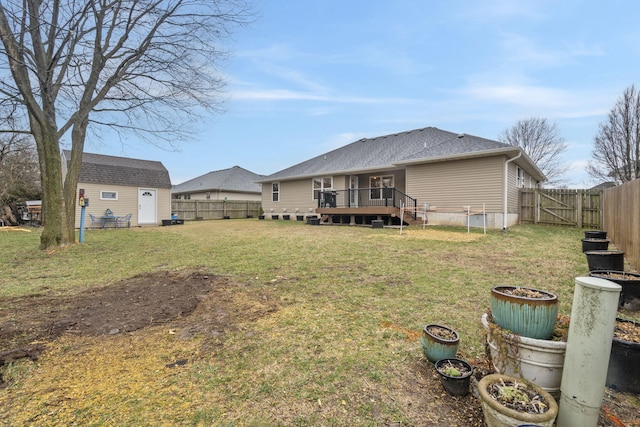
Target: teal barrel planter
[(439, 342), (527, 312)]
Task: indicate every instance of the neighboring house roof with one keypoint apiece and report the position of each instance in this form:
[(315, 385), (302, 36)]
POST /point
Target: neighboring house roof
[(233, 179), (112, 170), (603, 185), (390, 151)]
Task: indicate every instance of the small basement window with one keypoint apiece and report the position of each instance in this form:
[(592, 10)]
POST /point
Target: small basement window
[(108, 195)]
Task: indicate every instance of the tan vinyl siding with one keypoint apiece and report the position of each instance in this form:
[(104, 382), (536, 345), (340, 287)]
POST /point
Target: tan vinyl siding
[(220, 195), (512, 187), (127, 202), (293, 195), (296, 196), (454, 184), (164, 205)]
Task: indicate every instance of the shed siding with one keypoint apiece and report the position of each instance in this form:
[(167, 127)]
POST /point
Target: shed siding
[(127, 202), (453, 184)]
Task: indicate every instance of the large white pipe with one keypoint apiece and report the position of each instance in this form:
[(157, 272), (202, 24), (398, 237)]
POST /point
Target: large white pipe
[(506, 189), (593, 319)]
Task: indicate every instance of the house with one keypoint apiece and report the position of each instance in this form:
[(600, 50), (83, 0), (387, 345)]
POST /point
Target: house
[(141, 188), (437, 176), (233, 183)]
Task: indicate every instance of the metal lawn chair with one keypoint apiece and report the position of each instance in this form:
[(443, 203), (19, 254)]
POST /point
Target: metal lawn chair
[(124, 220), (93, 221)]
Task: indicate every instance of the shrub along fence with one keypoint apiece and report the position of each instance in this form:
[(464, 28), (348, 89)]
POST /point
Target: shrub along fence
[(621, 205), (215, 209), (575, 208)]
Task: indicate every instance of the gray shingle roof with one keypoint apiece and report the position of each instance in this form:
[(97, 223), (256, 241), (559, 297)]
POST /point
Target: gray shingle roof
[(112, 170), (388, 151), (233, 179)]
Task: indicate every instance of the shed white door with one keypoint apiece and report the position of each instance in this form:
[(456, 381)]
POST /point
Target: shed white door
[(146, 206)]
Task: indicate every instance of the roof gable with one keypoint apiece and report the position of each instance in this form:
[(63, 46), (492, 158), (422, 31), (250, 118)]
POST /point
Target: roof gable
[(389, 151), (235, 179), (112, 170)]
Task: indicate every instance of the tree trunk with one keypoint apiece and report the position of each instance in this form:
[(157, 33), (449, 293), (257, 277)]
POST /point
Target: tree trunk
[(53, 206), (78, 134)]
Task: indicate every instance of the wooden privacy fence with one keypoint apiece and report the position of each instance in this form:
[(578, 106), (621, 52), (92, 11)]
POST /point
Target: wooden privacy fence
[(621, 206), (575, 208), (215, 209)]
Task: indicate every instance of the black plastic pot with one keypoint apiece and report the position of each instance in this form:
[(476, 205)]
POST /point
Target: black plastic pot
[(455, 385), (605, 260), (624, 365), (630, 283), (595, 234), (595, 244)]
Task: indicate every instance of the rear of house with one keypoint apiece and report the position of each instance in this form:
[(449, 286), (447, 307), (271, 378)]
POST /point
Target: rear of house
[(124, 186), (234, 183), (430, 173)]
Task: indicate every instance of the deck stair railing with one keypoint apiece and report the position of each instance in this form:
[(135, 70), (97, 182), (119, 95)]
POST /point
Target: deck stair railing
[(366, 197)]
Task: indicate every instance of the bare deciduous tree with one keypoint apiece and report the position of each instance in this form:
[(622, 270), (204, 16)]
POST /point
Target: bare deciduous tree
[(19, 172), (616, 150), (542, 142), (132, 65)]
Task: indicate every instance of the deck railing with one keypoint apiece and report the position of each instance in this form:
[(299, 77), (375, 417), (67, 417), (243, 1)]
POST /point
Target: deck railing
[(366, 197)]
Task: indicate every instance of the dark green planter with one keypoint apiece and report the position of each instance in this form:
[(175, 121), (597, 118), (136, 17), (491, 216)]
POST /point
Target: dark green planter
[(595, 234), (455, 385), (623, 373), (532, 317), (630, 282), (595, 244), (605, 260)]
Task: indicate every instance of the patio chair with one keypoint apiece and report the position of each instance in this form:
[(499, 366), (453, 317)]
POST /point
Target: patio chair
[(124, 220), (94, 220)]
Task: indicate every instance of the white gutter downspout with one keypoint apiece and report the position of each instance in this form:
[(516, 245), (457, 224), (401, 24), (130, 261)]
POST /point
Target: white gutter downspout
[(506, 180)]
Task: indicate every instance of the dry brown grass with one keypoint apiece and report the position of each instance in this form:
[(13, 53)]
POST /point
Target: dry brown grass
[(322, 326)]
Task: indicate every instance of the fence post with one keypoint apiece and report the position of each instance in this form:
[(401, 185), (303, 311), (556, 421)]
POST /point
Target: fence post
[(579, 213), (536, 203)]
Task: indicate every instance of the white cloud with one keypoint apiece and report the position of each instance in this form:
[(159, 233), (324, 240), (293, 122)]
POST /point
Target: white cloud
[(340, 140)]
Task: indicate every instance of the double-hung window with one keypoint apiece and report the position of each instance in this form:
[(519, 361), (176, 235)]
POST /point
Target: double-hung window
[(381, 187), (275, 192), (519, 177), (320, 185)]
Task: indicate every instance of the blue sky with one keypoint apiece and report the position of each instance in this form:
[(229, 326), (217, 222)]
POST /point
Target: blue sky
[(312, 75)]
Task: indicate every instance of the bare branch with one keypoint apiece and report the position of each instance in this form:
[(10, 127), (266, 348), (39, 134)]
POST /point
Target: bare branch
[(616, 150), (542, 142)]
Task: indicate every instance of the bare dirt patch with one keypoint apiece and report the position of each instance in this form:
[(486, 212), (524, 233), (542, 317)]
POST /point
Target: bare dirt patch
[(208, 305)]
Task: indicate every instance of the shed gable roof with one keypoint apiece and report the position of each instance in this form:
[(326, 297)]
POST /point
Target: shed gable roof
[(389, 151), (112, 170), (235, 179)]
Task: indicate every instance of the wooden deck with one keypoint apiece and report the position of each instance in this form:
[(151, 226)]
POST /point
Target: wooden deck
[(368, 210)]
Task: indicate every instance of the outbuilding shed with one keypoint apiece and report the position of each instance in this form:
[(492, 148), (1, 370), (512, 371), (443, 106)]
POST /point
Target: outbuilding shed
[(123, 186)]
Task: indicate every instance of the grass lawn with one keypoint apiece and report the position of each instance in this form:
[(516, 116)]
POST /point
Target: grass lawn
[(338, 344)]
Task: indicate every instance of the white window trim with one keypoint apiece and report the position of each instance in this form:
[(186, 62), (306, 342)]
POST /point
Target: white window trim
[(381, 188), (276, 192), (322, 187), (108, 198), (520, 177)]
